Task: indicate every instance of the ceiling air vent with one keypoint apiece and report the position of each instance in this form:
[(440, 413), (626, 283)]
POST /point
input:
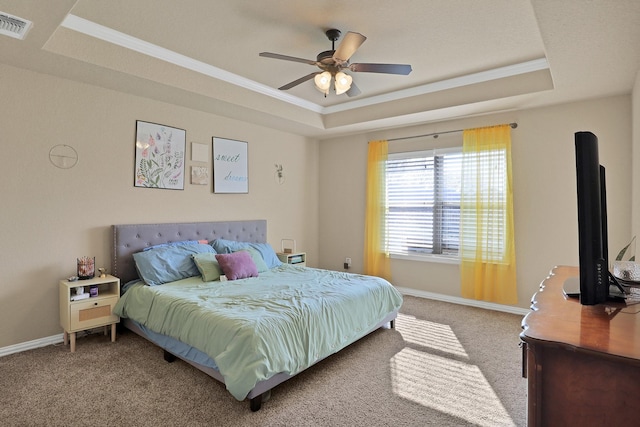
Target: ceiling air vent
[(13, 26)]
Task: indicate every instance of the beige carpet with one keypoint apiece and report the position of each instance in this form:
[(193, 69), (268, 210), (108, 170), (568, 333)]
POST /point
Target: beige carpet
[(443, 365)]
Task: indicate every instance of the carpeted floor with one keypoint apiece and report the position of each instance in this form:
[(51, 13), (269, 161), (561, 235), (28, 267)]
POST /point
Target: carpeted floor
[(443, 365)]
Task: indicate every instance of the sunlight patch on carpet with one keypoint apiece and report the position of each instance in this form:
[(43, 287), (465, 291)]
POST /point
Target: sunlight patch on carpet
[(429, 334), (449, 386)]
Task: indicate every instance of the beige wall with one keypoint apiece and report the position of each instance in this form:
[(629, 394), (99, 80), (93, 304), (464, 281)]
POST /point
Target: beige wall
[(51, 216), (635, 135), (544, 191)]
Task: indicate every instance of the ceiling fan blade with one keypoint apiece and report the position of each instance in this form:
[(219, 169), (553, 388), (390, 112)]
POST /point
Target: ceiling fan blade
[(353, 90), (403, 69), (287, 58), (349, 44), (300, 80)]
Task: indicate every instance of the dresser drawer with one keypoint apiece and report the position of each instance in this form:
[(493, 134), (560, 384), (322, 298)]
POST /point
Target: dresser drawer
[(91, 313)]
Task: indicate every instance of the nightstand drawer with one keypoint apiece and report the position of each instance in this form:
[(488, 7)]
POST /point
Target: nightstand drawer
[(92, 313)]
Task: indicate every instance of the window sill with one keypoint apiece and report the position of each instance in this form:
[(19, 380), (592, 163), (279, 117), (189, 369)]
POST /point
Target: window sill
[(439, 259)]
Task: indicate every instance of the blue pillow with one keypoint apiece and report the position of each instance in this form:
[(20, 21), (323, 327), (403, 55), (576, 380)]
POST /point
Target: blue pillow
[(184, 242), (223, 246), (168, 263)]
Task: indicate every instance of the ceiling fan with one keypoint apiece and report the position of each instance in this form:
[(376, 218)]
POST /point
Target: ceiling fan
[(333, 62)]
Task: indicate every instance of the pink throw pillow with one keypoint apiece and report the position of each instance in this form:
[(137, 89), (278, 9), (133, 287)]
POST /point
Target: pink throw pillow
[(237, 265)]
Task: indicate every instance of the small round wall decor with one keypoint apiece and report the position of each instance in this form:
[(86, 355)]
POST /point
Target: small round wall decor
[(63, 156)]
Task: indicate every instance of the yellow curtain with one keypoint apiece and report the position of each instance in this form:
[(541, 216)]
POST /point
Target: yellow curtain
[(376, 254), (488, 263)]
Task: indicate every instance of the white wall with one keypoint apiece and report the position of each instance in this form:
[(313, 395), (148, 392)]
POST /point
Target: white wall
[(52, 216), (544, 191)]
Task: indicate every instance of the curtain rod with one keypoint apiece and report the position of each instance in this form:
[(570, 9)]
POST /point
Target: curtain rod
[(436, 134)]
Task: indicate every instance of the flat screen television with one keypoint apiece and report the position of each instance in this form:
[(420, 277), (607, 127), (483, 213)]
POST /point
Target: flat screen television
[(596, 283)]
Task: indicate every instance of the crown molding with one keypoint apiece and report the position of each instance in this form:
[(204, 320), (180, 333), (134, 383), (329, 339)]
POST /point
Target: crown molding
[(469, 79), (126, 41), (118, 38)]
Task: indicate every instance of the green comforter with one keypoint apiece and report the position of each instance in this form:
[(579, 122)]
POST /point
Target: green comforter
[(283, 321)]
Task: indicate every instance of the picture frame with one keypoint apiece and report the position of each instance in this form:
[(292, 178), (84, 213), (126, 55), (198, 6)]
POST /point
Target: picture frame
[(199, 152), (159, 156), (199, 175), (230, 166)]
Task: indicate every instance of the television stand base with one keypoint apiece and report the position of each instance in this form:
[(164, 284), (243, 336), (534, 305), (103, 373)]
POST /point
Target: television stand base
[(571, 289)]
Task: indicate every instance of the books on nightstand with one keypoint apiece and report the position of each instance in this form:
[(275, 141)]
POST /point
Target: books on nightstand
[(296, 259)]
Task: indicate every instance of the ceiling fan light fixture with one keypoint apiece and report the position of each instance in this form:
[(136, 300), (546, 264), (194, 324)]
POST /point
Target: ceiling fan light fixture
[(323, 81), (333, 61), (343, 82)]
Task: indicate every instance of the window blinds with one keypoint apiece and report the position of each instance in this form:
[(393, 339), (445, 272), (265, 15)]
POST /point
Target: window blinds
[(423, 199)]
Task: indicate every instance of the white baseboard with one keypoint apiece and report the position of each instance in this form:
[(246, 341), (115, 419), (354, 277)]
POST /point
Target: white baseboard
[(55, 339), (29, 345), (463, 301)]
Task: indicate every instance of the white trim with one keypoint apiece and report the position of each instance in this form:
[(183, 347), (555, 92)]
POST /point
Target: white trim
[(469, 79), (118, 38), (463, 301), (438, 259), (30, 345)]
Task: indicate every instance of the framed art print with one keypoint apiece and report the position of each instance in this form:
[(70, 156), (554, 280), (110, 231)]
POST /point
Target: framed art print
[(199, 152), (160, 154), (199, 175), (230, 166)]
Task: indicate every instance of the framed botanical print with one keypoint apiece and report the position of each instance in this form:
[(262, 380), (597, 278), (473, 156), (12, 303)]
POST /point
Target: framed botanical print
[(160, 152), (230, 166)]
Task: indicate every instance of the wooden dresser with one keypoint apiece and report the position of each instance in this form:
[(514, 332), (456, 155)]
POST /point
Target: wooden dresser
[(582, 363)]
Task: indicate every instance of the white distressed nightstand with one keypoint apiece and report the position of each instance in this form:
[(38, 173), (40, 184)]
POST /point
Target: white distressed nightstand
[(90, 312), (297, 258)]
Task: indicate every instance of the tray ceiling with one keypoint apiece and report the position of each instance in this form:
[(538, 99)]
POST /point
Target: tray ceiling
[(467, 57)]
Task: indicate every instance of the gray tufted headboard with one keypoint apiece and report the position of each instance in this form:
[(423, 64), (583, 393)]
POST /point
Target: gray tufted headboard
[(131, 238)]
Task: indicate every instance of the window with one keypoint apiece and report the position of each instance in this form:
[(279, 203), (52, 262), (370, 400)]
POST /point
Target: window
[(485, 207), (423, 200)]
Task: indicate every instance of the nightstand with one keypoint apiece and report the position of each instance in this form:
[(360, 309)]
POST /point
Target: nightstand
[(297, 258), (81, 314)]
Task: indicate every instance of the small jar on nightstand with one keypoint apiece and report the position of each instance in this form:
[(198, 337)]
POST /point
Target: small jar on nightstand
[(297, 258), (87, 304)]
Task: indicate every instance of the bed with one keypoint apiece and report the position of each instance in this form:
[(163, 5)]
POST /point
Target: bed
[(252, 333)]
